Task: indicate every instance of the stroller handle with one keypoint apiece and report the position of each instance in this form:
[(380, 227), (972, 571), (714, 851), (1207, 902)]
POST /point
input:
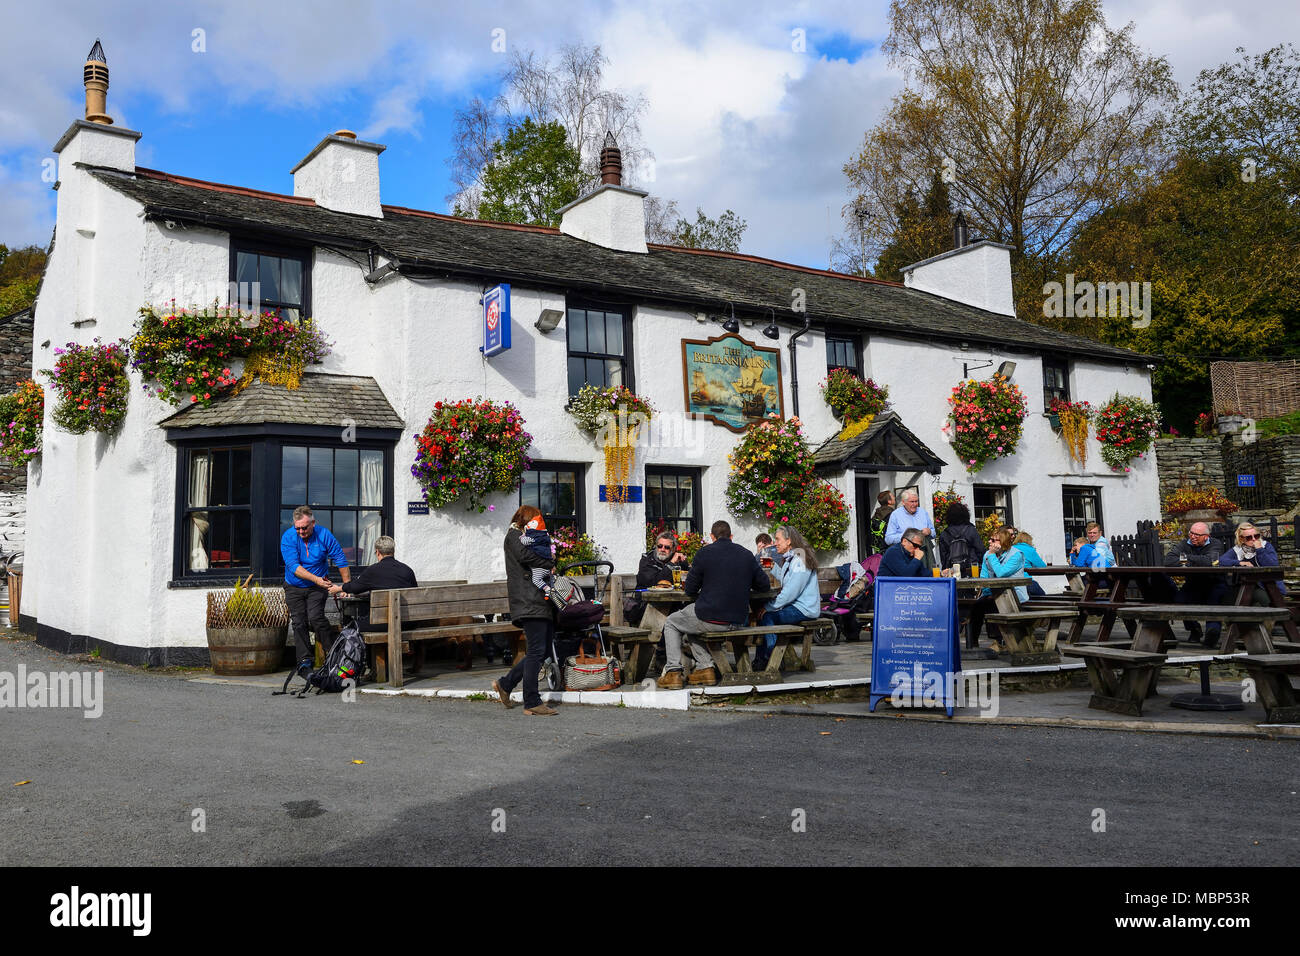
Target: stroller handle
[(564, 568)]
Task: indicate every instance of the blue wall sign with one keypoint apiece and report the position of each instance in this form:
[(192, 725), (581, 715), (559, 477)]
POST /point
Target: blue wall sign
[(633, 494), (417, 507), (1245, 481), (496, 320), (914, 652)]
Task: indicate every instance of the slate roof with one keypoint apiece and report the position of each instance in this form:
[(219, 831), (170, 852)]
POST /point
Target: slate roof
[(886, 442), (431, 245), (321, 400)]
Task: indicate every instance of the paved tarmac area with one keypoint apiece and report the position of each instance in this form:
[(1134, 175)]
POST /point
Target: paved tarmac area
[(277, 784)]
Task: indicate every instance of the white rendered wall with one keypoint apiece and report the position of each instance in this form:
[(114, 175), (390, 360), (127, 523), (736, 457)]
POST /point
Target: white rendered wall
[(101, 511), (342, 176), (611, 216), (978, 275)]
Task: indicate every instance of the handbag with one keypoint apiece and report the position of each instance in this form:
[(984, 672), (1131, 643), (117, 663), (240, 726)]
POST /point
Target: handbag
[(591, 672)]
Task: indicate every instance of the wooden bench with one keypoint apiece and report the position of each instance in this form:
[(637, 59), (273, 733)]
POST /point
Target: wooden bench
[(740, 640), (1121, 692), (634, 647), (1269, 672), (397, 606), (1018, 635)]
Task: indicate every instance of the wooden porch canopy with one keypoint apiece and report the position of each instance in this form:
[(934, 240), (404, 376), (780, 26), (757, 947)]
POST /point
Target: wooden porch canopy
[(885, 445)]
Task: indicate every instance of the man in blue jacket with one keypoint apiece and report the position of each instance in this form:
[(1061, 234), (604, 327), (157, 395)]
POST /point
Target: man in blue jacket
[(307, 552), (903, 560), (721, 577)]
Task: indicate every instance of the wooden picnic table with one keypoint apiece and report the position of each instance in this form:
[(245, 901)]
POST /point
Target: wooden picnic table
[(1074, 576), (1018, 625), (1119, 578)]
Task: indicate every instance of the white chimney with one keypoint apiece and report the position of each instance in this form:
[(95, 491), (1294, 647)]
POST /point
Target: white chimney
[(341, 173), (613, 216), (978, 275)]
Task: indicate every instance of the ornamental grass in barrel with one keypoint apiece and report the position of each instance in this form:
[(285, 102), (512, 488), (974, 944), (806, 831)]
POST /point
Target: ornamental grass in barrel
[(246, 629)]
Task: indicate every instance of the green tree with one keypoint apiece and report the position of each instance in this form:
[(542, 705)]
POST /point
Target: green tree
[(533, 173), (924, 229), (20, 276), (722, 234)]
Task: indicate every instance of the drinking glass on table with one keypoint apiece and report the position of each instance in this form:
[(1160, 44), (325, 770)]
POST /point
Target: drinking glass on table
[(1048, 558), (677, 577)]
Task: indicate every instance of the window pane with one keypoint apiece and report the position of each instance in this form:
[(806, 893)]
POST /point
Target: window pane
[(528, 493), (241, 538), (219, 539), (614, 333), (324, 519), (241, 476), (219, 483), (547, 493), (613, 372), (320, 476), (286, 520), (345, 476), (345, 529), (246, 268), (372, 479), (566, 494), (686, 496), (577, 375), (595, 332), (293, 475), (291, 281), (654, 508), (195, 541), (596, 373), (831, 355), (269, 273), (577, 330), (369, 524), (200, 478)]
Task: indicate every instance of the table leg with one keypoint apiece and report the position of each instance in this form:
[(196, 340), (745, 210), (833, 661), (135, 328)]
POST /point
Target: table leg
[(1276, 599)]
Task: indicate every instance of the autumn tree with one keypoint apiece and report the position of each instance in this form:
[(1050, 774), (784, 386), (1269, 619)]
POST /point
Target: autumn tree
[(1035, 112), (533, 172), (20, 277), (924, 230)]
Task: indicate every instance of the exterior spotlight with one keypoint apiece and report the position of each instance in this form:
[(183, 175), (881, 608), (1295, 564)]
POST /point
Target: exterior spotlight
[(1006, 370), (731, 325), (772, 331), (549, 320)]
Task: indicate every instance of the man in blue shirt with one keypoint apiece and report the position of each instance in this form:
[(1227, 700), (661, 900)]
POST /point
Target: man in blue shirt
[(907, 515), (307, 551)]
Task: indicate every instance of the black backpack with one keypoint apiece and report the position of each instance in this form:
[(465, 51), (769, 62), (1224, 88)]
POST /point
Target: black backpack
[(345, 662), (959, 551)]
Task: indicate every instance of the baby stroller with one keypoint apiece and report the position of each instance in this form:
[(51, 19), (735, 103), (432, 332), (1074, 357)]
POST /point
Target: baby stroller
[(854, 596), (577, 628)]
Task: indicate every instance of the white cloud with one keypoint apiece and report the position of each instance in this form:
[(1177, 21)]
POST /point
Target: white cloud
[(27, 213)]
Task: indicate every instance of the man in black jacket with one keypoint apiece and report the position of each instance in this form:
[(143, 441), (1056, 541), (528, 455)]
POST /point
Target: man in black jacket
[(1198, 550), (386, 572), (721, 578)]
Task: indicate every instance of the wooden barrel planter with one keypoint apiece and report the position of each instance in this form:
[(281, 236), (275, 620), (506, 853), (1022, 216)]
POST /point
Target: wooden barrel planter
[(236, 651), (246, 630)]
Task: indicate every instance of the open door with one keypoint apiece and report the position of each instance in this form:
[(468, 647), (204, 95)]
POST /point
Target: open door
[(865, 488)]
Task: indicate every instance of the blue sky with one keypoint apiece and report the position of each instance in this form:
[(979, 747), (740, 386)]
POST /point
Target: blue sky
[(741, 115)]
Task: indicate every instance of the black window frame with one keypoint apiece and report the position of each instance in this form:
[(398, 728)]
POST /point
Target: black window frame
[(1080, 493), (625, 360), (269, 247), (360, 558), (266, 442), (980, 512), (1050, 391), (697, 499), (212, 510), (579, 491), (850, 342)]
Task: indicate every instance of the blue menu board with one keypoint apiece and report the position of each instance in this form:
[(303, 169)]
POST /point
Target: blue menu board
[(915, 654)]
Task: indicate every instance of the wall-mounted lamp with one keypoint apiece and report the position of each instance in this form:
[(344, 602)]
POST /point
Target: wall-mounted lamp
[(731, 325), (772, 331), (1006, 370), (549, 320)]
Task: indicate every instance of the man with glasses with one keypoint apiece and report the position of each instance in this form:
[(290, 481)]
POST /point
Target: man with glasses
[(903, 560), (307, 551), (1198, 550), (656, 567)]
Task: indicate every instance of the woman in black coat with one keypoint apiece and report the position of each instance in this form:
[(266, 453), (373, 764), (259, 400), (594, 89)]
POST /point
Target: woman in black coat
[(960, 542), (529, 609)]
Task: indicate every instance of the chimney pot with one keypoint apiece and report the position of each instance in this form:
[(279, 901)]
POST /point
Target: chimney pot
[(95, 79), (611, 162), (346, 134)]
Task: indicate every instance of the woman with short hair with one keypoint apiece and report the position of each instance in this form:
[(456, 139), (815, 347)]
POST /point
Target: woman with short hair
[(1252, 551), (1024, 543), (531, 611)]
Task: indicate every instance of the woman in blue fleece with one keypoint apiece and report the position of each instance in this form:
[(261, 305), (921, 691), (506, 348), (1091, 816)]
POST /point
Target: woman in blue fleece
[(800, 598)]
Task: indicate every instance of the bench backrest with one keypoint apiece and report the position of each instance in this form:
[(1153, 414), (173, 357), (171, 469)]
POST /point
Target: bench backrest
[(454, 600)]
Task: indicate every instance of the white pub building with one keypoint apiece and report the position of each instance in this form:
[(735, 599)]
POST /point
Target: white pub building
[(125, 532)]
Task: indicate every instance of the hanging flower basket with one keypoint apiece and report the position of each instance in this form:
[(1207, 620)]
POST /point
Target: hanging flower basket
[(471, 449), (21, 416), (985, 420), (1073, 419), (1126, 426), (92, 386), (851, 399), (614, 416)]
